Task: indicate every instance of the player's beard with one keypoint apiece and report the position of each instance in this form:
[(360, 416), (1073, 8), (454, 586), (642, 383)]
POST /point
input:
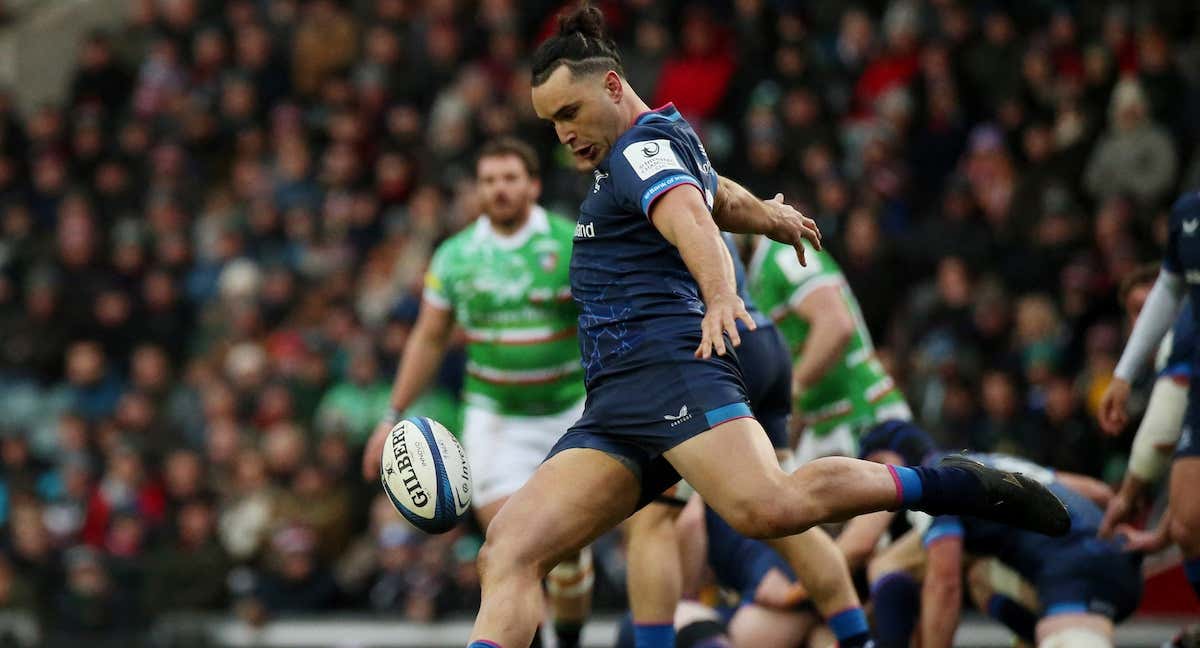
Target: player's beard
[(507, 212)]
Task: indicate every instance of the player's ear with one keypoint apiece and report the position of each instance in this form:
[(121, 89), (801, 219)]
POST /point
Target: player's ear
[(535, 189), (613, 86)]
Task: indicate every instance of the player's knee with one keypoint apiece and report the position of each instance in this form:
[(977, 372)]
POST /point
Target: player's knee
[(507, 555), (761, 518)]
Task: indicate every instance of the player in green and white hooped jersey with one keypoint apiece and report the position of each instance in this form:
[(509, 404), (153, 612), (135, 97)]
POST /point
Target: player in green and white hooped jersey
[(841, 388), (504, 280)]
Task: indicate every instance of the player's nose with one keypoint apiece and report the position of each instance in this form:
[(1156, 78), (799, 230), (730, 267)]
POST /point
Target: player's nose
[(565, 135)]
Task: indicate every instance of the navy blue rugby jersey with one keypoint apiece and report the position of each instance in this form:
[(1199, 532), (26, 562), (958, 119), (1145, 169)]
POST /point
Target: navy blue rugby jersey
[(631, 285)]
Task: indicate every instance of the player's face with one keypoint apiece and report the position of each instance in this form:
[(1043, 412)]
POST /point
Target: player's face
[(506, 190), (584, 112)]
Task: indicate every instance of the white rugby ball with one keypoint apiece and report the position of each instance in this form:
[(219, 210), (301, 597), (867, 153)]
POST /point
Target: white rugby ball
[(425, 473)]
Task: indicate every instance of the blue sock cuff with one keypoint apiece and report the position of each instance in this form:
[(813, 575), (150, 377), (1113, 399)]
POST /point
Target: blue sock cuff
[(483, 644), (908, 482), (1191, 568), (654, 635), (851, 622)]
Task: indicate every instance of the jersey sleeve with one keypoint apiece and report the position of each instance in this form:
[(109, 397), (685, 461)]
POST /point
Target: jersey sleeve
[(438, 289), (944, 526), (648, 165)]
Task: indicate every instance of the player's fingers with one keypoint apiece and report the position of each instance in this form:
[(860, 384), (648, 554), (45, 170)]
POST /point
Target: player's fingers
[(778, 198), (730, 326), (814, 232), (702, 350), (718, 338), (744, 315), (800, 254)]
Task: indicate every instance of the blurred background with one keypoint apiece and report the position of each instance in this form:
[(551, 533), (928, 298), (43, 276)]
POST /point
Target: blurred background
[(215, 216)]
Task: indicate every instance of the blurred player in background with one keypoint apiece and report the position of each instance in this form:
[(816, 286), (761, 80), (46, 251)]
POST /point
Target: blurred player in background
[(1179, 277), (840, 387), (504, 281), (1076, 586), (658, 306)]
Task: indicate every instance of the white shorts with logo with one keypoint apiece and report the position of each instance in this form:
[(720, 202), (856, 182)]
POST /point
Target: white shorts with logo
[(505, 450)]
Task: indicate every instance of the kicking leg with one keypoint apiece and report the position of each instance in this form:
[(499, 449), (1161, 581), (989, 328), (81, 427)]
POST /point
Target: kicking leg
[(574, 497), (734, 469)]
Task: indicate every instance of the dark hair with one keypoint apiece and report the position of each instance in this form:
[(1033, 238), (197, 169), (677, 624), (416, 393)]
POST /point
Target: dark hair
[(580, 44), (1142, 275), (511, 146)]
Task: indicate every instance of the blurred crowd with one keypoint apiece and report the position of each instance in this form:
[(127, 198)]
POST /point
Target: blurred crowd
[(213, 246)]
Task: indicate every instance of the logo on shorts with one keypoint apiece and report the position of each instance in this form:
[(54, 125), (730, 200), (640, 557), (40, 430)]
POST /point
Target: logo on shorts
[(681, 417), (1189, 226)]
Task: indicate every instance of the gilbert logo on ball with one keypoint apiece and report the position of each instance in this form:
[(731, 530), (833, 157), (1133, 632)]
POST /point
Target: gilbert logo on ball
[(425, 474)]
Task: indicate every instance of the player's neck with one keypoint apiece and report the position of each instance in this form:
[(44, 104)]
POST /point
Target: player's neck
[(634, 106)]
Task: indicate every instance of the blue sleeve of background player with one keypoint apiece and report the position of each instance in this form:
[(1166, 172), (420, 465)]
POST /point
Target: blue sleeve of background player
[(646, 165)]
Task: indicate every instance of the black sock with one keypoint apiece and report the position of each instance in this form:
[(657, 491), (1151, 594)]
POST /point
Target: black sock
[(897, 598), (568, 633)]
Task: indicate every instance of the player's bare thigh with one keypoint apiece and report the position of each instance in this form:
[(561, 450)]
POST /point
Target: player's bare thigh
[(763, 627), (574, 497)]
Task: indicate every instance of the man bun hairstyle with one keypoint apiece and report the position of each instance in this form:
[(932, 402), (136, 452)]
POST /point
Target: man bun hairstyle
[(581, 44)]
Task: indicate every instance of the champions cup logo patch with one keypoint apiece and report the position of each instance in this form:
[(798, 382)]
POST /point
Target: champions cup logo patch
[(649, 157)]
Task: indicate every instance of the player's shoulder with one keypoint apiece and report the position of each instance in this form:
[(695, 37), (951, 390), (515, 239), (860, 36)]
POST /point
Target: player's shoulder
[(456, 244)]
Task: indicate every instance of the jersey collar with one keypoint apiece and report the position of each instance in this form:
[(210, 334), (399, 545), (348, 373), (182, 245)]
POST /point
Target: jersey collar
[(666, 112), (538, 223)]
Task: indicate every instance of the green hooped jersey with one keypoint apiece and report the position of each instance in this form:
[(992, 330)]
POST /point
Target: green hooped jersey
[(512, 296), (857, 391)]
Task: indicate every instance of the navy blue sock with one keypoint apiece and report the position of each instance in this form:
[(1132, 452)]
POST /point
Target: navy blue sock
[(1014, 616), (654, 635), (935, 490), (897, 599), (1191, 568), (850, 628)]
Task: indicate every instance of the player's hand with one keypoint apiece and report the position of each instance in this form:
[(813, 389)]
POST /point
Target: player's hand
[(1120, 508), (1113, 416), (1142, 540), (792, 227), (373, 452), (720, 317)]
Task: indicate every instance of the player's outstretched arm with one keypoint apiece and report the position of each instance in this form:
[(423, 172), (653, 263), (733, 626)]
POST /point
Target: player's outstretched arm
[(830, 328), (684, 221), (941, 594), (1157, 316), (737, 210), (423, 353)]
